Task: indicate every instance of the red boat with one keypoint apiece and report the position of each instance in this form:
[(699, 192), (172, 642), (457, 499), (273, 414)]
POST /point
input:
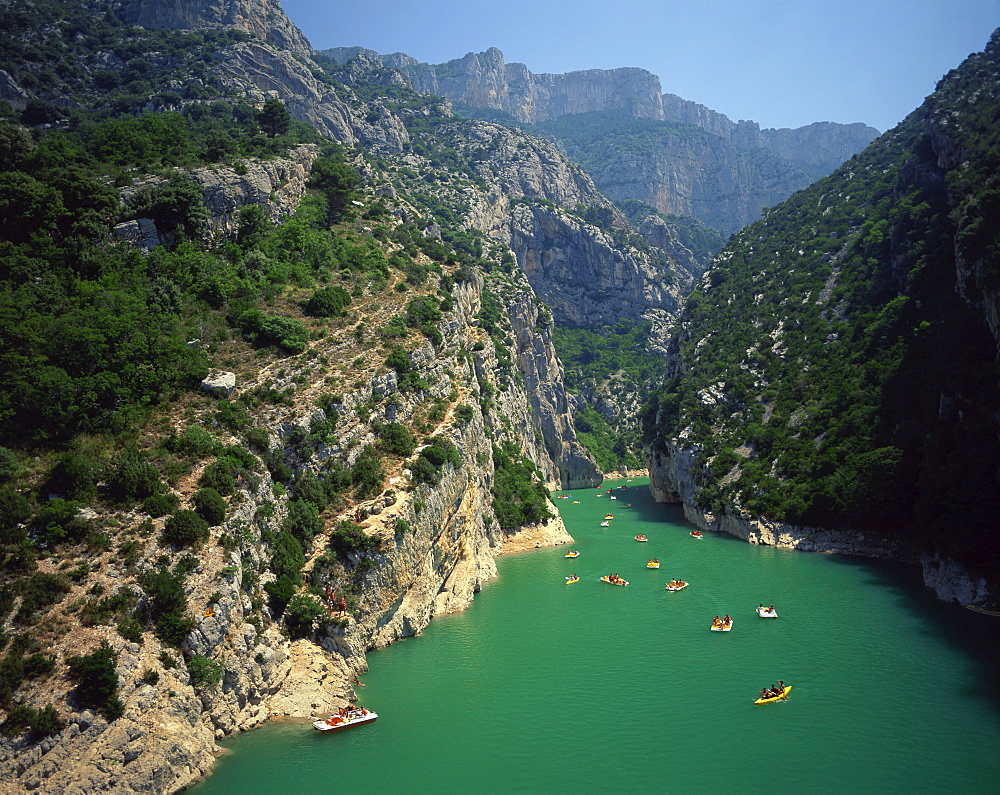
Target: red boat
[(696, 534)]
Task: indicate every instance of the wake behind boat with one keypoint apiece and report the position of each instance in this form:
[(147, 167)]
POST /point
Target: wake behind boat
[(344, 718)]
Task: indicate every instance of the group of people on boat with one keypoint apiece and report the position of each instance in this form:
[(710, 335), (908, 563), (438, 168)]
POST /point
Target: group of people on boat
[(773, 692), (677, 584), (641, 537), (615, 578), (725, 621), (350, 712), (653, 562)]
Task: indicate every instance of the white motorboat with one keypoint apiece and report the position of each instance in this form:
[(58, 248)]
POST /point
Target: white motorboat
[(345, 718)]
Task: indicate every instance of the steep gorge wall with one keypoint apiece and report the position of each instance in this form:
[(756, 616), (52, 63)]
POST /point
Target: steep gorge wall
[(165, 739), (674, 476)]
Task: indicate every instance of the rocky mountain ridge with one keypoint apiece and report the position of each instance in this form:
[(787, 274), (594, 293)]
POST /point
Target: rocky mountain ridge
[(759, 168)]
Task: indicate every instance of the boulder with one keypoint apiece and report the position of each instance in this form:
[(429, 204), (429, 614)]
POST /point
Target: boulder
[(220, 384)]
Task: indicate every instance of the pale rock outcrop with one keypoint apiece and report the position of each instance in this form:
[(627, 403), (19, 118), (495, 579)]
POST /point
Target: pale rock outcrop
[(277, 185), (219, 383), (261, 18), (485, 80), (952, 582)]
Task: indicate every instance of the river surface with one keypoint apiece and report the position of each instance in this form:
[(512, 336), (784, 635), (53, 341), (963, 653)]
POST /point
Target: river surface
[(543, 686)]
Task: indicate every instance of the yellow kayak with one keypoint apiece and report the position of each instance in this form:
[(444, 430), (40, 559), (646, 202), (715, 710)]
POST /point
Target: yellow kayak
[(571, 580), (782, 697)]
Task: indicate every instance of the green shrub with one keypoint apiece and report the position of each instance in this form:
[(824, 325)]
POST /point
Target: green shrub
[(74, 476), (131, 477), (166, 604), (519, 499), (301, 615), (210, 506), (303, 521), (328, 302), (195, 442), (130, 630), (398, 360), (264, 329), (96, 680), (348, 538), (258, 439), (185, 528), (157, 505), (396, 439), (59, 520), (15, 509), (367, 474), (9, 465), (280, 592), (204, 672)]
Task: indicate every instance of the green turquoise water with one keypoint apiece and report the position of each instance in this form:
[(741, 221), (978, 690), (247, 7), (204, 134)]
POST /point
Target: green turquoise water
[(542, 686)]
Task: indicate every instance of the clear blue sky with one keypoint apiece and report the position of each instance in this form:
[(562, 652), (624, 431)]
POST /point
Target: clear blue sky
[(782, 63)]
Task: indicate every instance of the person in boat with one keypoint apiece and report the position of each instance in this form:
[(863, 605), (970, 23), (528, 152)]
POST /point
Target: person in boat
[(727, 620), (765, 693), (780, 687), (716, 622), (770, 609)]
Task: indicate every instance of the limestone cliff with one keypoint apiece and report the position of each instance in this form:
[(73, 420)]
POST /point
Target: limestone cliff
[(815, 150), (485, 80), (261, 18), (276, 185), (724, 177)]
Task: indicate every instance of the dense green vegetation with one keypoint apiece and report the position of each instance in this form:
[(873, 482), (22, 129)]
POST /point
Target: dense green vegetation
[(613, 361), (519, 497), (831, 374), (83, 50)]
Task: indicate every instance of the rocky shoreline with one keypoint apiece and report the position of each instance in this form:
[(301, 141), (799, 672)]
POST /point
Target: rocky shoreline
[(672, 481)]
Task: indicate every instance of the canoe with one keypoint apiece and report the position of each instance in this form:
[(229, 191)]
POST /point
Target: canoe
[(782, 697), (982, 610), (571, 580), (609, 581)]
